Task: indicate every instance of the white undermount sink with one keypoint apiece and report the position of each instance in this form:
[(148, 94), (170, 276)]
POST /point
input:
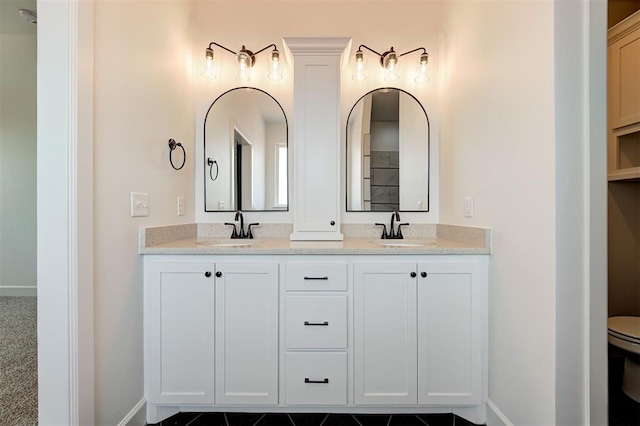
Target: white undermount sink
[(227, 243), (399, 243)]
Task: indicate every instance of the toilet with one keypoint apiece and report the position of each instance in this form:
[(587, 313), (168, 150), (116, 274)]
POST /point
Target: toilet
[(624, 333)]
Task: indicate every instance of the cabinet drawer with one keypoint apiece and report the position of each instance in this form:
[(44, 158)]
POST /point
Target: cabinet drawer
[(316, 276), (316, 321), (316, 378)]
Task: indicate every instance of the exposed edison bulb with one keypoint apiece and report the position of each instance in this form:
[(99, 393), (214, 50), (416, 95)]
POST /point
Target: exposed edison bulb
[(275, 67), (391, 72), (244, 67), (209, 70), (361, 67), (390, 64), (422, 75)]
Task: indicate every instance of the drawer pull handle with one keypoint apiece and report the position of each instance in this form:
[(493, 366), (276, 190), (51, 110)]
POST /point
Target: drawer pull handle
[(308, 380), (316, 323), (316, 278)]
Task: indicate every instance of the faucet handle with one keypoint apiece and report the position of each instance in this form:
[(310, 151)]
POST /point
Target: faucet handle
[(384, 231), (249, 233), (399, 234), (234, 233)]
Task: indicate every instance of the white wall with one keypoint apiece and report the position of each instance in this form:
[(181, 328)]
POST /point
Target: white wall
[(143, 97), (18, 158), (497, 142)]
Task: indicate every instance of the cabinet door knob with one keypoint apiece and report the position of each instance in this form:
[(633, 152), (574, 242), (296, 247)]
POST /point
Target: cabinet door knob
[(207, 274), (413, 274), (423, 274), (333, 222), (218, 274)]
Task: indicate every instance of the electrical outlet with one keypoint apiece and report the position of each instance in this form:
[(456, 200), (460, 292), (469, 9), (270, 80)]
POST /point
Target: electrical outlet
[(180, 206), (139, 204), (468, 207)]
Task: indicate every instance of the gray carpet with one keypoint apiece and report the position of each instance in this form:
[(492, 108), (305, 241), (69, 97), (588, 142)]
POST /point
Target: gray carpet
[(18, 362)]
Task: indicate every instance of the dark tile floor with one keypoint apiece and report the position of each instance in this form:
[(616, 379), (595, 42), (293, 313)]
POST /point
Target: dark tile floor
[(298, 419), (623, 411)]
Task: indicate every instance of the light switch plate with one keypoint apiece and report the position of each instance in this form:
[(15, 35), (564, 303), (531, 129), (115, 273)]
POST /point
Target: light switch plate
[(139, 204), (180, 206), (468, 207)]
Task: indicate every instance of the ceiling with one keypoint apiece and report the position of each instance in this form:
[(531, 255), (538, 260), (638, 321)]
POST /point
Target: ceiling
[(10, 20)]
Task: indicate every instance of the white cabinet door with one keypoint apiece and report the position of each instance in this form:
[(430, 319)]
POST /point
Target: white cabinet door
[(180, 302), (246, 333), (449, 333), (385, 333)]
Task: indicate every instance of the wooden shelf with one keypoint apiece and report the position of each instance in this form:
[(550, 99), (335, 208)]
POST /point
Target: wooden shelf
[(631, 175)]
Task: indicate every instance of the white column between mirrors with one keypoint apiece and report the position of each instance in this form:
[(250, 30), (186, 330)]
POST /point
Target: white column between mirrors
[(316, 140)]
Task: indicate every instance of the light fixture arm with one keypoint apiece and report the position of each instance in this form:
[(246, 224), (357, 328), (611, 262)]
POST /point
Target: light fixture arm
[(424, 51), (213, 43), (369, 49), (265, 48)]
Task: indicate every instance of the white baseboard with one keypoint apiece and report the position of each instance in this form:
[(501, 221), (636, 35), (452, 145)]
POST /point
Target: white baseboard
[(137, 416), (15, 291), (495, 417)]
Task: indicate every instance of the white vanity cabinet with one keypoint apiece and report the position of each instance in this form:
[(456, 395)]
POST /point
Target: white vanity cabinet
[(418, 333), (204, 314), (316, 332)]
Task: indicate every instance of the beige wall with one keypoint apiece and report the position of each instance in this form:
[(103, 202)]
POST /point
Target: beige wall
[(143, 97), (498, 146), (17, 157)]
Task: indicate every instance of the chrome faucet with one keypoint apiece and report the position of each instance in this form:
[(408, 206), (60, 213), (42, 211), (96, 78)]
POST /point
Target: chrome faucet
[(242, 234)]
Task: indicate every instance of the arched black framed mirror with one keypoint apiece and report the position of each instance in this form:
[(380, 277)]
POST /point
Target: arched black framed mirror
[(388, 153), (246, 153)]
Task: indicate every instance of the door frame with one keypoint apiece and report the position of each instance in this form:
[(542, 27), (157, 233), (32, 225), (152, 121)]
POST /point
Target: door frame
[(65, 212)]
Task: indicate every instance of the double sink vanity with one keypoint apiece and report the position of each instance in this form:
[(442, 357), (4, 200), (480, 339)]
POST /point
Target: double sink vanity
[(359, 325), (316, 315)]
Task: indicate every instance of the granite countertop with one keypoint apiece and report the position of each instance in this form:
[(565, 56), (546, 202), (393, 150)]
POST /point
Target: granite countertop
[(359, 239)]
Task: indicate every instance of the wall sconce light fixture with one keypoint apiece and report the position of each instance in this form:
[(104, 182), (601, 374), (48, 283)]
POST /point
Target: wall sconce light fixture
[(246, 60), (389, 62)]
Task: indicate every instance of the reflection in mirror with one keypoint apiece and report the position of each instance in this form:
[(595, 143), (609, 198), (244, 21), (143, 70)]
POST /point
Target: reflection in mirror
[(388, 153), (245, 144)]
